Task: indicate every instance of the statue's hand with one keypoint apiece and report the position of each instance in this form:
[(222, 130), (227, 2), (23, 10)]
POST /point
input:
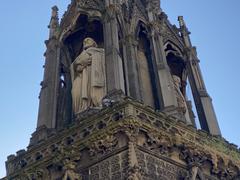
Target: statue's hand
[(81, 68)]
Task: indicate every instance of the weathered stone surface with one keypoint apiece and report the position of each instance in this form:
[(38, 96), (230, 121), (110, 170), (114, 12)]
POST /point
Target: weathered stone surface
[(163, 148), (142, 129)]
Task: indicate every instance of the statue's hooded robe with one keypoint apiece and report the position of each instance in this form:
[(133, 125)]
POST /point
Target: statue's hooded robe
[(88, 84)]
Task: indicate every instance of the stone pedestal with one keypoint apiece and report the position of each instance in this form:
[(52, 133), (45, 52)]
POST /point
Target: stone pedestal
[(128, 141)]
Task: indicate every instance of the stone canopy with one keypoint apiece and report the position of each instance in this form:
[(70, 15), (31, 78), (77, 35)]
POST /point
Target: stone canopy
[(113, 101)]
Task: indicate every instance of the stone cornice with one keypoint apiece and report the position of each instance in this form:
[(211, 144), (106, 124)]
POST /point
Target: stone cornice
[(131, 118)]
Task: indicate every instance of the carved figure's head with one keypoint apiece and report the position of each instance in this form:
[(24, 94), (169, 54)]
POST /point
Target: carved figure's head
[(89, 42)]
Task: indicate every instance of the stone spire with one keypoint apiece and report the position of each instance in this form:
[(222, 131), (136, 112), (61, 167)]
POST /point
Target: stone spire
[(54, 22), (184, 31), (48, 94), (203, 101)]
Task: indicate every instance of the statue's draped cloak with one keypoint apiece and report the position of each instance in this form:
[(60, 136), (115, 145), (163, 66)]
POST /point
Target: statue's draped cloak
[(88, 86)]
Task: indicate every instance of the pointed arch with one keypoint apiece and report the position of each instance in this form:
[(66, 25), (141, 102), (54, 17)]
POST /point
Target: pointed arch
[(84, 26), (141, 26), (146, 66), (175, 60), (121, 24), (137, 17), (171, 47), (91, 16)]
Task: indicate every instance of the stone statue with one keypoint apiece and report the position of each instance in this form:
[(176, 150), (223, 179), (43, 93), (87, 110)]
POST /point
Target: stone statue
[(88, 77), (182, 104), (180, 98)]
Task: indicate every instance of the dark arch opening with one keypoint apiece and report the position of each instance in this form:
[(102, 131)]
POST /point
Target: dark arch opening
[(85, 27), (176, 65)]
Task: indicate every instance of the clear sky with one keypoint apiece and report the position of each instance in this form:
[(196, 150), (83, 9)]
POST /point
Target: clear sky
[(23, 28)]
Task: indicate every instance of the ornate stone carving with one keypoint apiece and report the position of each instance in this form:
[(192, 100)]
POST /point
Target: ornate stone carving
[(103, 146), (160, 143), (192, 156), (138, 14), (224, 169), (70, 174), (110, 12), (131, 131), (168, 138), (90, 4), (134, 173), (37, 174), (124, 139), (155, 6), (168, 32), (63, 154), (67, 158)]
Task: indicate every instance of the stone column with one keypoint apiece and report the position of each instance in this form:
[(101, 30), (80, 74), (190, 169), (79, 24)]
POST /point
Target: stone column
[(203, 101), (48, 94), (155, 57), (168, 96), (123, 44), (134, 87), (114, 65)]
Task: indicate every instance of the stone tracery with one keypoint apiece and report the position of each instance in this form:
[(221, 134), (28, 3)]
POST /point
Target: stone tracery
[(142, 130)]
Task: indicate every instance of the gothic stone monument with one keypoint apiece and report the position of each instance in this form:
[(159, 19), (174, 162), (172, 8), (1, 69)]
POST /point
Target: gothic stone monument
[(113, 103)]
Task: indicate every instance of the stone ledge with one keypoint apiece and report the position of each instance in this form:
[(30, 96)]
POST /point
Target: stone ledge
[(131, 119)]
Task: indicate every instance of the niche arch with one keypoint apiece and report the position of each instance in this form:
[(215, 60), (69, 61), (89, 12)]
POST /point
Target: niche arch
[(178, 69), (145, 67), (85, 26), (176, 64), (71, 43), (169, 46)]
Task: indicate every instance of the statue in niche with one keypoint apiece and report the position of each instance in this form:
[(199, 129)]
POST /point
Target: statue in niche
[(182, 104), (88, 77), (180, 98)]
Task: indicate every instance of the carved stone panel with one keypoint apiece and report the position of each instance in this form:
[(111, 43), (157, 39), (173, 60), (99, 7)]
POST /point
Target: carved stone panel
[(156, 168), (114, 167)]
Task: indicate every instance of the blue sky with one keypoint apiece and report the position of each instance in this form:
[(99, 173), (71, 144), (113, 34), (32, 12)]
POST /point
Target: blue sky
[(214, 26)]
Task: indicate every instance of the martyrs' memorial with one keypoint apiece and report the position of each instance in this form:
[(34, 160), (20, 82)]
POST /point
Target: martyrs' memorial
[(113, 102)]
